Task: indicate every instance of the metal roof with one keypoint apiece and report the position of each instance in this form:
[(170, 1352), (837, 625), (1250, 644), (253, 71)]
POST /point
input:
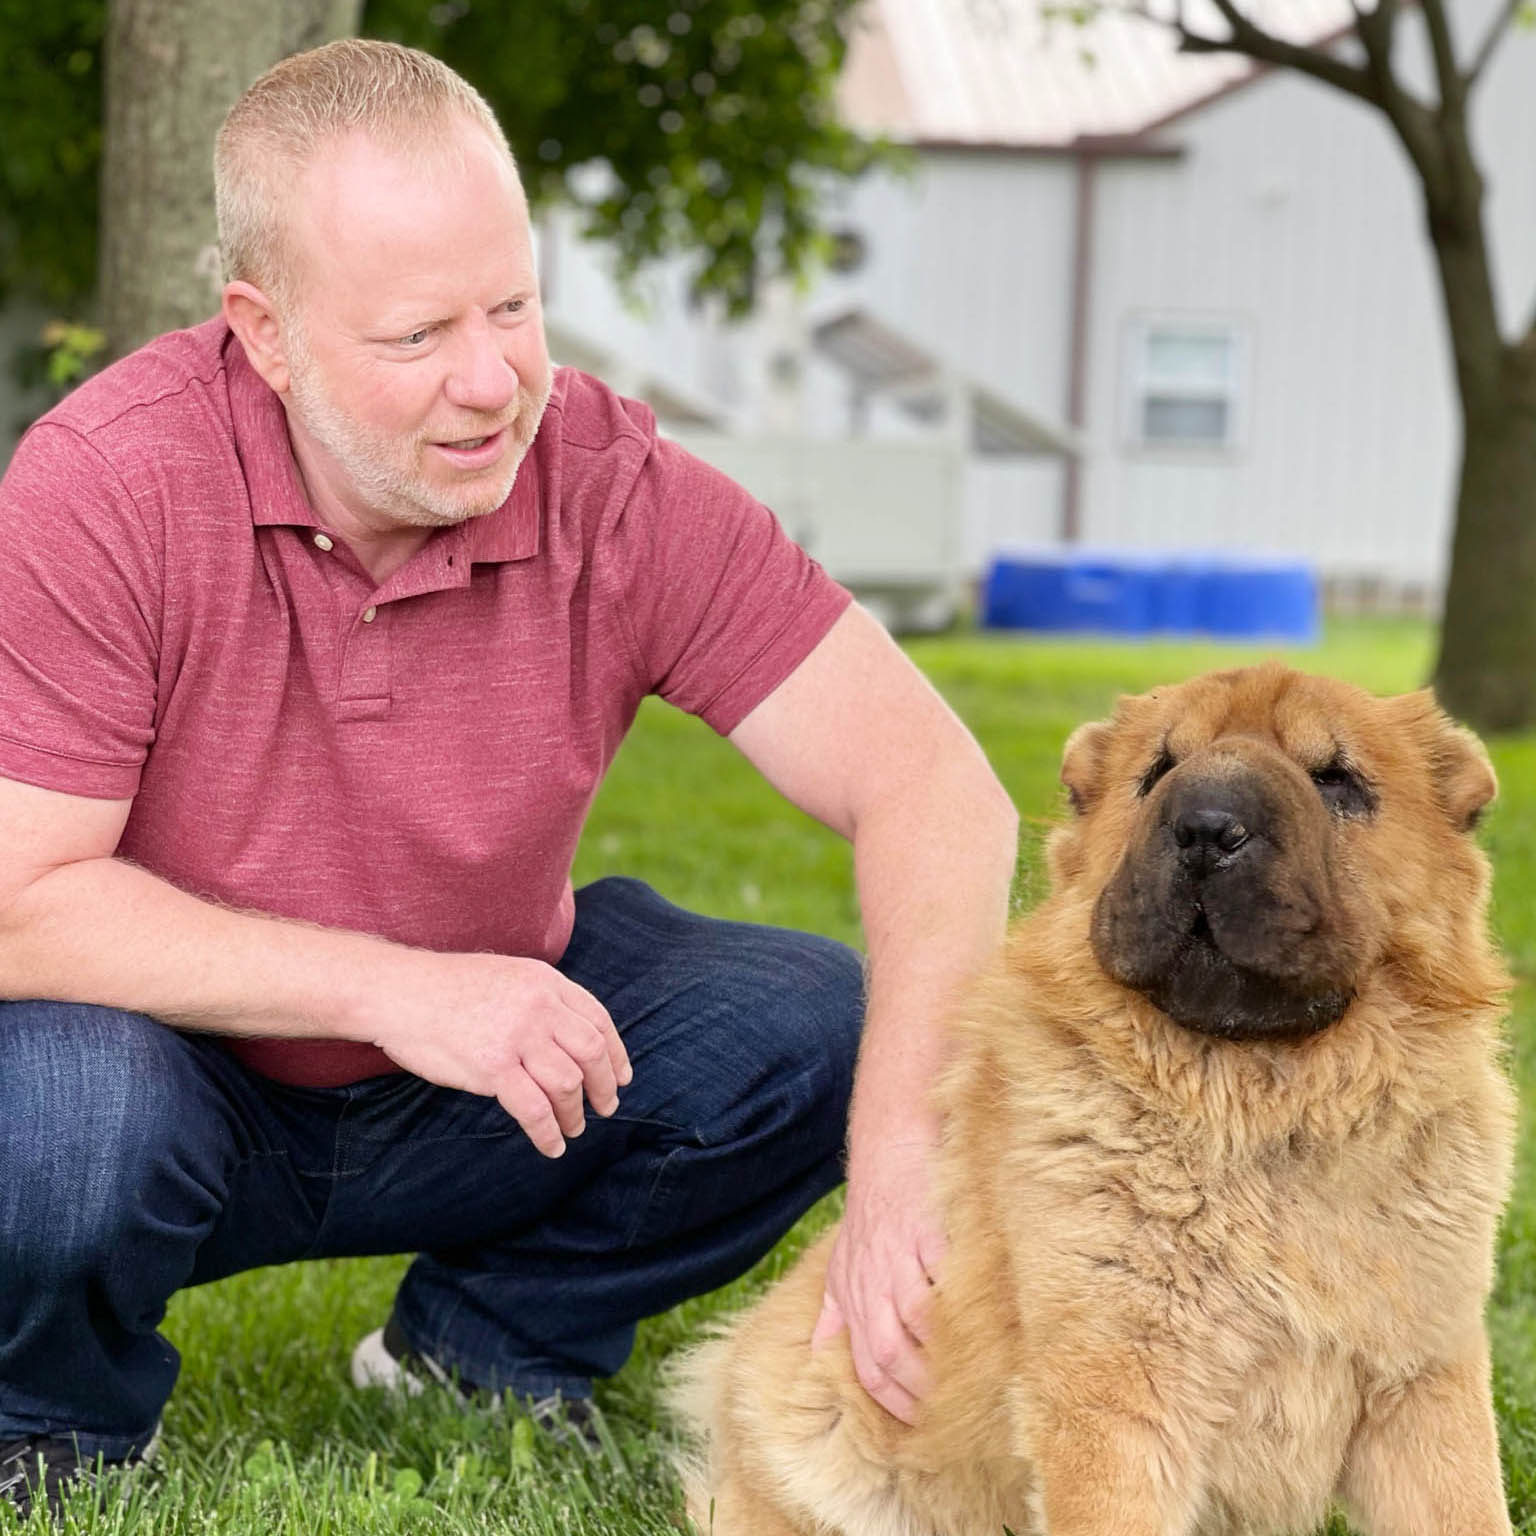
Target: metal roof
[(1007, 73)]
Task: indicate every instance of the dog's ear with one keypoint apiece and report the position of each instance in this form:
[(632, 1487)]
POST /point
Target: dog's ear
[(1082, 764), (1463, 777)]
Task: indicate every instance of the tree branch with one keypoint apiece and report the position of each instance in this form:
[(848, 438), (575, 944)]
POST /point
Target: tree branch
[(1452, 87), (1375, 82), (1264, 46), (1496, 30), (1377, 30)]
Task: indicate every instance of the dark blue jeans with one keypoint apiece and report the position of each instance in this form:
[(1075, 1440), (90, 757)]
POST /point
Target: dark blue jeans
[(135, 1160)]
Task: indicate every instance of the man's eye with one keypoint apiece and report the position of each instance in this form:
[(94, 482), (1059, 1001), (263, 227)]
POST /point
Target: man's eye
[(415, 339)]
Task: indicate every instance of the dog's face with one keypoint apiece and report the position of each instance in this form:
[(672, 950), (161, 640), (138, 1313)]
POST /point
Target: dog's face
[(1258, 844)]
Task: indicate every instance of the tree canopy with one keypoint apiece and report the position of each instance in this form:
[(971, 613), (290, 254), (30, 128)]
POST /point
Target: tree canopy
[(709, 124)]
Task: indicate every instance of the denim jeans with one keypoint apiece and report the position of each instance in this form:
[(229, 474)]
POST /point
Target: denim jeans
[(135, 1160)]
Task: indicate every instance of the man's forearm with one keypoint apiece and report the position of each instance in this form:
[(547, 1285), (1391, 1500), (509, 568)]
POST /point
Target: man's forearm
[(934, 873), (105, 931)]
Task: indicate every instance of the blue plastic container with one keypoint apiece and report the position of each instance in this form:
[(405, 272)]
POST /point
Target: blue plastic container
[(1070, 590), (1259, 602), (1139, 592), (1177, 593), (1026, 594)]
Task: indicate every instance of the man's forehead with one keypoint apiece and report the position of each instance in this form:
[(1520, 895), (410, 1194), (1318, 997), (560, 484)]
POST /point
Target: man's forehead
[(391, 229), (357, 180)]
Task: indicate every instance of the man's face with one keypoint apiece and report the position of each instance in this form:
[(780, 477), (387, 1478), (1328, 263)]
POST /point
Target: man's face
[(414, 326)]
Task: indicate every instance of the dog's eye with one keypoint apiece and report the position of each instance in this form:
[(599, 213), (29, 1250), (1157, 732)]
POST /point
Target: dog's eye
[(1160, 765), (1343, 789)]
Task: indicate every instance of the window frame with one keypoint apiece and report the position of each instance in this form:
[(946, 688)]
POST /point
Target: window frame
[(1139, 382)]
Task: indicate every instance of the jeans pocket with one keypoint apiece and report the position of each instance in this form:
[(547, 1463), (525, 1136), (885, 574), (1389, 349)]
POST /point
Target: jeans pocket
[(657, 1217)]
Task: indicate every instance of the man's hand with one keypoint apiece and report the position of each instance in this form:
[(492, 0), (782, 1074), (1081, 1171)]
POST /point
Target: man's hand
[(512, 1029), (884, 1264)]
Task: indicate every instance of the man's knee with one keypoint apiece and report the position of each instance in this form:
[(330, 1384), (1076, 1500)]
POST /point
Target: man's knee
[(824, 1007), (751, 1027), (799, 1013), (89, 1124)]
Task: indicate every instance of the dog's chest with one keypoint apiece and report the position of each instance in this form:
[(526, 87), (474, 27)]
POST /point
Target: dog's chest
[(1372, 1244), (1261, 1300), (1355, 1280), (1280, 1443)]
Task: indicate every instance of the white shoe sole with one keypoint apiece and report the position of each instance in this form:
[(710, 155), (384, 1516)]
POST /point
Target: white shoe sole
[(374, 1367)]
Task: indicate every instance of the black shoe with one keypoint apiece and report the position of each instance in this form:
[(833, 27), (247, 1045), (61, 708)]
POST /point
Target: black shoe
[(385, 1358), (43, 1465)]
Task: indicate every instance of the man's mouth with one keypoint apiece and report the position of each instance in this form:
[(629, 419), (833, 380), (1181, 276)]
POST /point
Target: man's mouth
[(472, 451)]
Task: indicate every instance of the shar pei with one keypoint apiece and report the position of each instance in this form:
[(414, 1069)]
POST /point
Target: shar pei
[(1225, 1143)]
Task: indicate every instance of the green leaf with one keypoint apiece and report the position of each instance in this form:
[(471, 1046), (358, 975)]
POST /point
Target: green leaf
[(522, 1444), (261, 1465)]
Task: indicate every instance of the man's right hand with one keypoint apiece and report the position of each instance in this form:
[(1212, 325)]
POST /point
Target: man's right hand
[(512, 1029)]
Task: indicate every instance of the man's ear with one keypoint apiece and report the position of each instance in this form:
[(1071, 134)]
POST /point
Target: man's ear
[(1082, 764), (253, 317)]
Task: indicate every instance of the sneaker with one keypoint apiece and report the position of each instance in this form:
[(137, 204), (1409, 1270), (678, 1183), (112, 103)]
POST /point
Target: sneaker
[(385, 1358), (44, 1464)]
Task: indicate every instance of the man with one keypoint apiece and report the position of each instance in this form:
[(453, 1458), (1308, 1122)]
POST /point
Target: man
[(321, 623)]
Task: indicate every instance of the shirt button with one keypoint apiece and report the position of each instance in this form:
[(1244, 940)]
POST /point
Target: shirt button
[(368, 615), (322, 541)]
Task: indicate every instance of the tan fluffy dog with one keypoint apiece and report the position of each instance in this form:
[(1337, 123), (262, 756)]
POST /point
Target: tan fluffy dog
[(1225, 1145)]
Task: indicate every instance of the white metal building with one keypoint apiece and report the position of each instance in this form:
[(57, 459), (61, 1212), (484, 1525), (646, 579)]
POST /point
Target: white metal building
[(1126, 296), (1204, 285)]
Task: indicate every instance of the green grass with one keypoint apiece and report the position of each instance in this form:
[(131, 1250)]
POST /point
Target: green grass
[(265, 1435)]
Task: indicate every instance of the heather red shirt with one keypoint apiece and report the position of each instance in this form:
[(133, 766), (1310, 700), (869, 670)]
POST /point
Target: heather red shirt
[(413, 759)]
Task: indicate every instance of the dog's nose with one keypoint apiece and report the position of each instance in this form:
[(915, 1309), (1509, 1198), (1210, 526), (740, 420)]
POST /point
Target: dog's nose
[(1206, 834)]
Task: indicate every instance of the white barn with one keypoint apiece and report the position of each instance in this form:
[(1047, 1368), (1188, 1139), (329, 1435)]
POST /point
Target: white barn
[(1198, 293)]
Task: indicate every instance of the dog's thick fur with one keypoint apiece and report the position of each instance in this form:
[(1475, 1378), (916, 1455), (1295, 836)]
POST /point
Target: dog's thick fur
[(1203, 1276)]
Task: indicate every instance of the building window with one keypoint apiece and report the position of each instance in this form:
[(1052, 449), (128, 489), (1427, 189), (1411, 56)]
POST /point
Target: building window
[(1186, 385)]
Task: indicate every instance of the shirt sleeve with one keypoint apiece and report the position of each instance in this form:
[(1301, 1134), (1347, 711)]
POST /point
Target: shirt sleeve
[(721, 604), (80, 587)]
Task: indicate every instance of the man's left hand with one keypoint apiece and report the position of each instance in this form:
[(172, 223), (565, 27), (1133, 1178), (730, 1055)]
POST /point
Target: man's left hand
[(884, 1264)]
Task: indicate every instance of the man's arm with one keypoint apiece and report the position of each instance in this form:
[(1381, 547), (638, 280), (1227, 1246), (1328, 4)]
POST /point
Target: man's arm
[(857, 738), (78, 925)]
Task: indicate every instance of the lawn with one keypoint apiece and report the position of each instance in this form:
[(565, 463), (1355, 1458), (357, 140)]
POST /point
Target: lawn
[(264, 1434)]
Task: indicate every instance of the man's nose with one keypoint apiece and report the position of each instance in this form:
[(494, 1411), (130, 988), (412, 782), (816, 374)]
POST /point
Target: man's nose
[(480, 378)]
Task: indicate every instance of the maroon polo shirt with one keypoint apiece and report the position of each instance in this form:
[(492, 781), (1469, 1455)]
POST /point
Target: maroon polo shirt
[(412, 759)]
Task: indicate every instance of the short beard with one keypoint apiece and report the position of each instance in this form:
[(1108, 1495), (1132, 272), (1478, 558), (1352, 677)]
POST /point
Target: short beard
[(368, 458)]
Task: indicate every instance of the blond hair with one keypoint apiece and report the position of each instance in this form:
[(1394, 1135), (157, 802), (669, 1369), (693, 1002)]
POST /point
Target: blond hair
[(400, 97)]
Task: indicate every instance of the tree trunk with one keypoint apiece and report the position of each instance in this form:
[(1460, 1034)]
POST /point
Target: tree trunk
[(173, 69), (1486, 674)]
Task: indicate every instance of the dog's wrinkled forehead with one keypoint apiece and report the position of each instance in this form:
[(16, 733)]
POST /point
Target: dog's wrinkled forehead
[(1310, 720), (1302, 716), (1320, 724)]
